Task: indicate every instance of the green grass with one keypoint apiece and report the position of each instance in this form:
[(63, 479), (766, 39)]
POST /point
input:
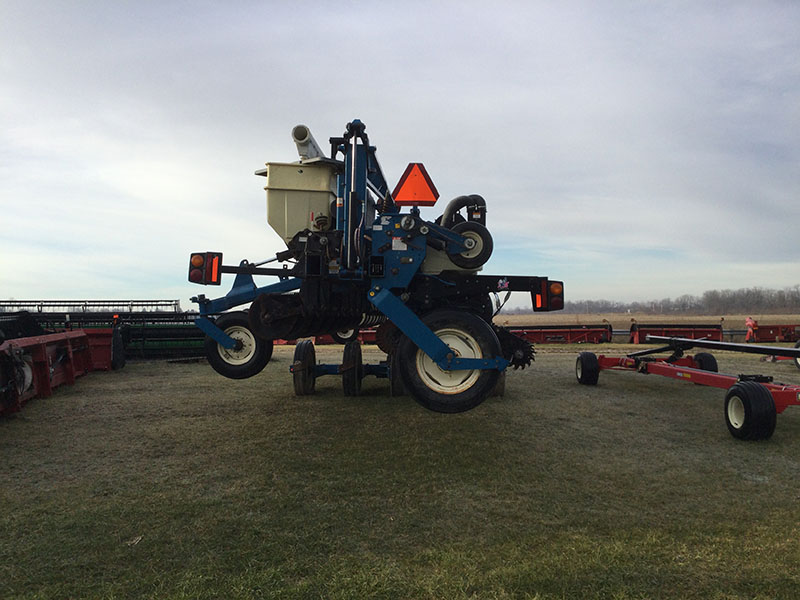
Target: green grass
[(169, 481)]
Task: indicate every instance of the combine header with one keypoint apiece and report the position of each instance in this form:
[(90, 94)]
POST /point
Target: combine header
[(354, 260)]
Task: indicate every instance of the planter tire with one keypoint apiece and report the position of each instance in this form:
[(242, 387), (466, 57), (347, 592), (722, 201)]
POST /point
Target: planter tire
[(304, 368), (248, 359), (438, 390), (352, 369), (476, 257)]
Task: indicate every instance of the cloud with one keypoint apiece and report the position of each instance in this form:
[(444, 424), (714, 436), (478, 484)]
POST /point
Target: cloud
[(630, 149)]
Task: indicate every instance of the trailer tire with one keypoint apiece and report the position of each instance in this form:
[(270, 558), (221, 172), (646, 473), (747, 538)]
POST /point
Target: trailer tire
[(245, 362), (797, 359), (303, 368), (476, 257), (438, 390), (587, 368), (706, 362), (352, 369), (750, 411)]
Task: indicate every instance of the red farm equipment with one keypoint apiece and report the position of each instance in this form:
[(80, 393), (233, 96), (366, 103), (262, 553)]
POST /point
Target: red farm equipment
[(34, 362), (565, 334), (751, 401), (640, 331)]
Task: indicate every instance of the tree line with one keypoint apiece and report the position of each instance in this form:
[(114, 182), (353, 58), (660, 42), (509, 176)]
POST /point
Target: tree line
[(712, 302)]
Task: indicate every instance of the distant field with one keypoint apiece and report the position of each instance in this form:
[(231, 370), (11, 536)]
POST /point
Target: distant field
[(167, 481), (623, 320)]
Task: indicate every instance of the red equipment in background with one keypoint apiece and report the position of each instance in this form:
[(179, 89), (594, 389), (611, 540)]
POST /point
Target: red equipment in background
[(640, 331), (33, 366)]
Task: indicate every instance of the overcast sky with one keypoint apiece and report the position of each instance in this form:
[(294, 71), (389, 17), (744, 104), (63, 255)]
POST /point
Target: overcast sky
[(635, 150)]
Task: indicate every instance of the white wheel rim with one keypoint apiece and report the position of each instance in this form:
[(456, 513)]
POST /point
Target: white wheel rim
[(477, 249), (245, 353), (736, 412), (463, 345), (578, 369)]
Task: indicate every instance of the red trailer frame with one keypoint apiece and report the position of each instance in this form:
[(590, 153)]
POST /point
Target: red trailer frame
[(751, 402)]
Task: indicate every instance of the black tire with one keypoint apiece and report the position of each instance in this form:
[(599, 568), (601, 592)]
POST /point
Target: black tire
[(345, 336), (352, 369), (304, 368), (587, 368), (706, 362), (396, 387), (796, 359), (468, 336), (750, 411), (117, 349), (248, 359), (477, 256), (500, 387)]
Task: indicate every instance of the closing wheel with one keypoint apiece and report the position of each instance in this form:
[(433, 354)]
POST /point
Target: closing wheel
[(250, 355), (304, 368), (480, 245), (706, 362), (352, 369), (587, 368), (750, 411), (468, 336)]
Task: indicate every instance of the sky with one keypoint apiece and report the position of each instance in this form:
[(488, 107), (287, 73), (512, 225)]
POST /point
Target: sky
[(634, 150)]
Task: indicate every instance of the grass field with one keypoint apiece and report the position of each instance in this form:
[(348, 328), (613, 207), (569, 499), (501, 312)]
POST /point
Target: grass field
[(167, 481)]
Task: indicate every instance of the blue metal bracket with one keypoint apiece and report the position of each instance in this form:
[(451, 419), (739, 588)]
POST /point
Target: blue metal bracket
[(214, 332), (427, 341), (244, 290)]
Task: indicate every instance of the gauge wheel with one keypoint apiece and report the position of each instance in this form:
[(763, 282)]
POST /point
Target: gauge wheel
[(750, 411), (352, 369), (587, 368), (250, 355), (475, 257), (797, 359), (468, 336), (304, 367)]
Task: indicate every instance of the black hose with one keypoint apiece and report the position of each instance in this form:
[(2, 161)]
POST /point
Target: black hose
[(456, 204)]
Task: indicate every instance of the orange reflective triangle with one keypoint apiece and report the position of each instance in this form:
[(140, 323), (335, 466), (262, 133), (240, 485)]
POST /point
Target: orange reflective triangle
[(415, 187)]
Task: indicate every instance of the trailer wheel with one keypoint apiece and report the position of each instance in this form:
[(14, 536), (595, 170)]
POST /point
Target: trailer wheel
[(797, 359), (247, 359), (345, 335), (750, 411), (476, 256), (303, 368), (468, 336), (352, 369), (587, 368), (706, 362)]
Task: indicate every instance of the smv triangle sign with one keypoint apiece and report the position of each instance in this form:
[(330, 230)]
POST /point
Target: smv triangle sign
[(415, 187)]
